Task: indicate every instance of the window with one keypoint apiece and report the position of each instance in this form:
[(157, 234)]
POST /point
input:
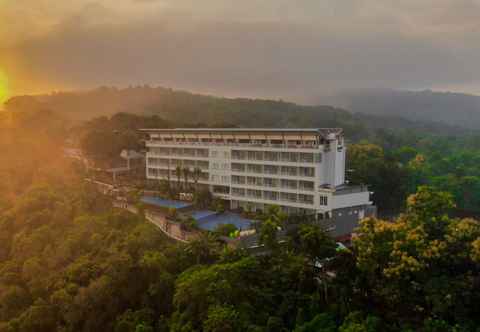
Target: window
[(306, 157), (306, 185), (323, 200), (307, 171), (306, 199)]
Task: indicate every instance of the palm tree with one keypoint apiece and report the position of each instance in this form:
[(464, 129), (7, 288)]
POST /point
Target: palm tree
[(169, 175), (186, 174), (169, 182), (197, 172), (178, 174)]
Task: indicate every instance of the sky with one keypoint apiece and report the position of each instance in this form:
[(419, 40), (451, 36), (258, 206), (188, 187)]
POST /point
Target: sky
[(296, 50)]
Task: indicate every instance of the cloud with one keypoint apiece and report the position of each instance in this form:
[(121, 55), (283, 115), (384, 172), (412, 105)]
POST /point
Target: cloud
[(281, 49)]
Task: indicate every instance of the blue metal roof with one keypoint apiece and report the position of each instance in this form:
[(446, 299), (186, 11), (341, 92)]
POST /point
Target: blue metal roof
[(165, 203), (202, 214), (210, 220)]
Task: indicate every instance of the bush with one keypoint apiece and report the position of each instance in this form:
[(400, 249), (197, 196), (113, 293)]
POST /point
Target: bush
[(225, 229)]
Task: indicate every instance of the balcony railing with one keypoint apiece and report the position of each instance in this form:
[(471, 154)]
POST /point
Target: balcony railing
[(279, 146)]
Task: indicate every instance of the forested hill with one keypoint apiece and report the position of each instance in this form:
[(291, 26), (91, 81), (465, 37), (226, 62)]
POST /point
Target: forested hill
[(184, 108), (451, 108), (69, 262)]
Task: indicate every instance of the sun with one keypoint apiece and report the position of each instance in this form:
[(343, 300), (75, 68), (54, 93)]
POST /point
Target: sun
[(3, 87)]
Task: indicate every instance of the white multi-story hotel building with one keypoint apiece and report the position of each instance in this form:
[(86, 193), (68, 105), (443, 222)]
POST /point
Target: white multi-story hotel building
[(300, 170)]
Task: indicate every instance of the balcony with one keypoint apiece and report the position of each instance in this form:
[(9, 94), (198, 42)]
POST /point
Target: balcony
[(289, 173), (305, 188), (265, 145)]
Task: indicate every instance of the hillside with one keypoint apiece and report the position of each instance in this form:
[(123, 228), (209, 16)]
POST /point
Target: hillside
[(187, 109), (70, 262), (455, 109)]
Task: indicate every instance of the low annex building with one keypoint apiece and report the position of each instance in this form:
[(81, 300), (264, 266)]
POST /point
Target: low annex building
[(300, 170)]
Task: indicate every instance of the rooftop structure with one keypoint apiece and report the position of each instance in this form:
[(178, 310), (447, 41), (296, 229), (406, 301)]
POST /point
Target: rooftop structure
[(300, 170)]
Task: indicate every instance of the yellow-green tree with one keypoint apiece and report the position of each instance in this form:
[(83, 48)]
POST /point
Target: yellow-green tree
[(424, 263)]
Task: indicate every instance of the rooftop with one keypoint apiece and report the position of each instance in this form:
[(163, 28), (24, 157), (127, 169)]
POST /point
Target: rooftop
[(321, 131)]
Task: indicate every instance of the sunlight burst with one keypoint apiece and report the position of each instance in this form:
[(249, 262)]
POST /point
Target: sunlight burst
[(3, 87)]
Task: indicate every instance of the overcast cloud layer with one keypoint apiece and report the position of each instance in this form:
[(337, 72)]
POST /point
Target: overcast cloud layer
[(286, 49)]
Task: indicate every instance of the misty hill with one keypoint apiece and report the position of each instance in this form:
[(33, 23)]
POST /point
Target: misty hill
[(187, 109), (451, 108)]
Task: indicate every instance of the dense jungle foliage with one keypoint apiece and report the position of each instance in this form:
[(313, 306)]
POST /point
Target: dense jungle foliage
[(70, 262)]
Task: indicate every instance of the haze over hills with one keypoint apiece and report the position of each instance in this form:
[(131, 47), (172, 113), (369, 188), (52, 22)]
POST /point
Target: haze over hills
[(457, 109), (184, 108)]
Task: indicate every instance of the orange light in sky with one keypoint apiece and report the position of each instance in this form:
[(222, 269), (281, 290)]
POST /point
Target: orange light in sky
[(3, 87)]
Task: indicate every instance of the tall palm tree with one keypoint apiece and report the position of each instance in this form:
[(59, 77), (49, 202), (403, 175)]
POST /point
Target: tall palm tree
[(197, 172), (178, 174), (169, 181), (186, 174)]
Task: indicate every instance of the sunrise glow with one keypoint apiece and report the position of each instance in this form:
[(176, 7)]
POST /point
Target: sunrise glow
[(3, 87)]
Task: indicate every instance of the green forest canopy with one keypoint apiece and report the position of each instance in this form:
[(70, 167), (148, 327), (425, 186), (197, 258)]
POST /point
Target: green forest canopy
[(69, 262)]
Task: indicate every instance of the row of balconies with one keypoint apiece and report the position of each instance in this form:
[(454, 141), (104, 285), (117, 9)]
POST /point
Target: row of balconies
[(181, 152), (273, 196), (302, 157), (281, 145), (173, 163), (273, 183), (294, 157), (274, 170), (163, 173), (290, 210)]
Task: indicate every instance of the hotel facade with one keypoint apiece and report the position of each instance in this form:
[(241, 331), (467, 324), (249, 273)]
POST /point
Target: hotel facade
[(300, 170)]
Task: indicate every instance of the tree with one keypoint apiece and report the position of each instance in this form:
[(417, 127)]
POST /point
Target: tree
[(225, 229), (323, 322), (203, 198), (186, 174), (164, 187), (355, 322), (268, 235), (315, 243), (14, 300), (203, 249), (222, 319), (274, 324), (424, 248), (39, 317), (178, 174), (135, 321), (269, 228), (367, 164), (218, 205), (211, 293), (197, 173)]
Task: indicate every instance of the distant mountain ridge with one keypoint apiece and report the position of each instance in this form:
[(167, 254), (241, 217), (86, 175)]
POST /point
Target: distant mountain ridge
[(457, 109), (188, 109)]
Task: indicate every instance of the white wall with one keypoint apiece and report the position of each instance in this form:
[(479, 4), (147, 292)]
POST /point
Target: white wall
[(347, 200), (340, 166), (219, 165)]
